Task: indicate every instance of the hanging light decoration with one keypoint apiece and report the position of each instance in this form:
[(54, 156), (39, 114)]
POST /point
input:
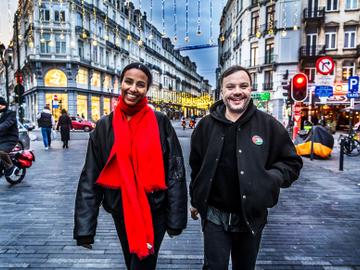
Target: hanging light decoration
[(163, 18), (198, 32), (211, 40), (151, 20), (175, 39), (129, 37), (187, 39), (295, 18), (94, 42), (271, 20), (83, 35), (140, 42), (283, 32)]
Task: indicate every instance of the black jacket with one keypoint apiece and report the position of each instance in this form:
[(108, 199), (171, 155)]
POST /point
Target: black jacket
[(266, 161), (89, 195), (9, 134)]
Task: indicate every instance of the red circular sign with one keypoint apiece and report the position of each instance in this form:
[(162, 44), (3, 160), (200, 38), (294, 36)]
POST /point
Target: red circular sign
[(325, 65)]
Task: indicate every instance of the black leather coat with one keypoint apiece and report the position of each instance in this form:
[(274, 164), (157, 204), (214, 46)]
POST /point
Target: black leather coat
[(266, 160), (9, 134), (89, 195)]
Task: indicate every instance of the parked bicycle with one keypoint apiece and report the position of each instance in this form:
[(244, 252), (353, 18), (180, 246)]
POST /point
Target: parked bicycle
[(351, 145)]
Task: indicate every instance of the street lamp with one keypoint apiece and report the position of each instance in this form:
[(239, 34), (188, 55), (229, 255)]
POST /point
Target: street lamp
[(6, 65)]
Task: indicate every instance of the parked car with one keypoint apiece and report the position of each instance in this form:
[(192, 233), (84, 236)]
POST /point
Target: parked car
[(24, 139), (81, 124)]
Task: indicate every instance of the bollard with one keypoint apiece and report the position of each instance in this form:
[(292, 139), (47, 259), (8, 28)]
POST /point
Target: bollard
[(312, 142), (341, 159)]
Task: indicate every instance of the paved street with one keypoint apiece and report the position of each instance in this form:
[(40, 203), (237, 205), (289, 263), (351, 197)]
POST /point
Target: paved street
[(316, 224)]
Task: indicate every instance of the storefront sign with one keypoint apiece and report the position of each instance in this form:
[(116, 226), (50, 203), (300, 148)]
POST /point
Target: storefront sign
[(263, 96)]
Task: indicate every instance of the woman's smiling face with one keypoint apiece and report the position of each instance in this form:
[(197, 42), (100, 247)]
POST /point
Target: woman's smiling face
[(134, 86)]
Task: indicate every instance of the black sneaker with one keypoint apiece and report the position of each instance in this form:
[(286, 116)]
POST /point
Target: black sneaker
[(11, 172)]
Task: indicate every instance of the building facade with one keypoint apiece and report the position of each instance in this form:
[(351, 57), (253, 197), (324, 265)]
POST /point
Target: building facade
[(276, 39), (72, 53), (331, 28), (264, 37)]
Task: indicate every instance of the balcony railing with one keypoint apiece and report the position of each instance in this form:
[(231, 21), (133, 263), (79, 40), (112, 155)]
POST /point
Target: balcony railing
[(311, 51), (268, 86), (270, 58), (315, 14)]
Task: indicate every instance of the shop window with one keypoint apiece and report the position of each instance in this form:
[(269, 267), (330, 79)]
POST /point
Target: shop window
[(107, 83), (95, 80), (95, 108), (116, 85), (82, 106), (82, 76), (62, 103), (107, 107)]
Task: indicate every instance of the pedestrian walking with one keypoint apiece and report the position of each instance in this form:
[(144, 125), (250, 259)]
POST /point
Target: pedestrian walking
[(134, 167), (64, 125), (240, 157), (9, 136), (46, 122)]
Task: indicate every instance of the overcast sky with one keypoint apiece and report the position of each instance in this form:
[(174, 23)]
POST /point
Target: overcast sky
[(206, 59)]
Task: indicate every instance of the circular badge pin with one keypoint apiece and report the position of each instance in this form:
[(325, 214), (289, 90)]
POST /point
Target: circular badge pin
[(257, 140)]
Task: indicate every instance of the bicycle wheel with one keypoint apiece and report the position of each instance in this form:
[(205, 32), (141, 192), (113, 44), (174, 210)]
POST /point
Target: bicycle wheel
[(355, 148), (347, 146)]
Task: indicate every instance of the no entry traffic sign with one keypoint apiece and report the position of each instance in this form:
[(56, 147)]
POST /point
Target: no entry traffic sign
[(325, 65)]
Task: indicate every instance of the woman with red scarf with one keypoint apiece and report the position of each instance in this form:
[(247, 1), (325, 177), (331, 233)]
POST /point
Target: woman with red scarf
[(134, 166)]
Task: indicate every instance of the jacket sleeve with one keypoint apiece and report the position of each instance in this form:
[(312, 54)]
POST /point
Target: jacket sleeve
[(177, 191), (195, 159), (88, 196), (286, 164), (9, 121)]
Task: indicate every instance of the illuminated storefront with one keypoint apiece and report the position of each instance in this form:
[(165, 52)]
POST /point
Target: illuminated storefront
[(82, 106), (107, 106), (56, 105), (95, 107), (82, 78)]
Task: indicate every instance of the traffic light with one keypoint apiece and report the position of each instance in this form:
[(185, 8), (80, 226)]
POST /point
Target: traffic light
[(286, 85), (299, 85)]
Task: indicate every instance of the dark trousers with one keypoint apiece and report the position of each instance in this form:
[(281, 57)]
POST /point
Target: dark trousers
[(219, 244), (131, 260), (4, 156)]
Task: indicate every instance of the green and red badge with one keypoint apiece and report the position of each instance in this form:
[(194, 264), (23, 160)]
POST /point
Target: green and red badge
[(257, 140)]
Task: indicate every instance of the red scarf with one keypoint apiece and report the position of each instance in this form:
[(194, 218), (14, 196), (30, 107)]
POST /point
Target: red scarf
[(137, 169)]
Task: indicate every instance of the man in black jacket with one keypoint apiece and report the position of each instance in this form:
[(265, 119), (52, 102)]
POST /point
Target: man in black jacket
[(240, 157), (9, 136)]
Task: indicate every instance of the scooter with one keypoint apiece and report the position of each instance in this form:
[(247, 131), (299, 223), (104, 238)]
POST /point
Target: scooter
[(22, 159)]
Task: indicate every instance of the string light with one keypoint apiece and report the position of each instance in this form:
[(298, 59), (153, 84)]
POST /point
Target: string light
[(83, 35), (175, 22), (271, 20), (211, 40), (163, 18), (129, 37), (198, 32), (187, 21), (94, 42), (151, 20), (283, 32)]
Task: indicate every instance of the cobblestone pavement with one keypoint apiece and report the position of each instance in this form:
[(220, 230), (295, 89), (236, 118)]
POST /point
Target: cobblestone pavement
[(316, 224)]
